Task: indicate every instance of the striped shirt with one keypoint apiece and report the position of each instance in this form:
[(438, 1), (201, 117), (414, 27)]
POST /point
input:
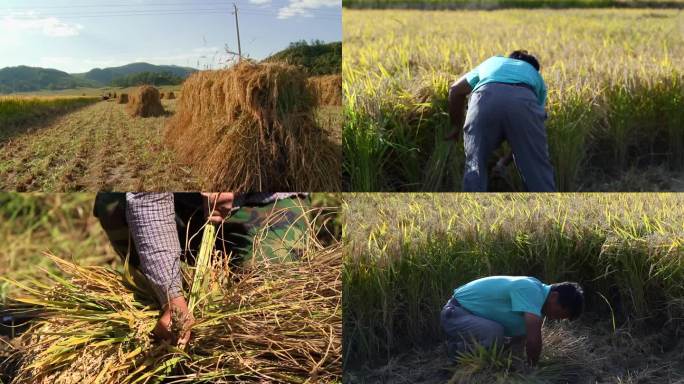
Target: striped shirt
[(151, 219)]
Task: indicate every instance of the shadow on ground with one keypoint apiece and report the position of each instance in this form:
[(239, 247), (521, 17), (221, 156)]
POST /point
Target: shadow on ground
[(589, 352)]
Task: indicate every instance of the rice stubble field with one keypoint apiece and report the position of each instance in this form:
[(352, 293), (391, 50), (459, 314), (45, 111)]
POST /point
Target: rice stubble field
[(102, 147), (99, 147)]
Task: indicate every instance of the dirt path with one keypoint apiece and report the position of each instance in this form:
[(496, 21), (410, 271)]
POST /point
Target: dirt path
[(96, 148)]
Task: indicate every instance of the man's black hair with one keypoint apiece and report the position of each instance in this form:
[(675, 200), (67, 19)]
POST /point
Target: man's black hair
[(526, 57), (570, 297)]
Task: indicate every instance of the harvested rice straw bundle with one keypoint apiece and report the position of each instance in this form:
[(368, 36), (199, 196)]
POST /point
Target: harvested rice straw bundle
[(161, 95), (145, 102), (269, 323), (123, 98), (328, 89), (171, 96), (256, 126)]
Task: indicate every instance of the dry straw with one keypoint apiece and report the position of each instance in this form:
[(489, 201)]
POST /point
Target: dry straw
[(256, 125), (171, 96), (145, 102), (161, 95), (123, 98), (328, 89), (266, 323)]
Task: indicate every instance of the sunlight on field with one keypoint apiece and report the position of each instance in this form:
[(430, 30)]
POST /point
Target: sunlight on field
[(20, 110), (405, 253), (616, 90)]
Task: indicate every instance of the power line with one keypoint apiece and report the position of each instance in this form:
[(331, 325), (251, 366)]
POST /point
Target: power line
[(141, 7), (211, 13), (217, 11)]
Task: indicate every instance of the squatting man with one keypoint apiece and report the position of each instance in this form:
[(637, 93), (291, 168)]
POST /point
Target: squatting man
[(486, 311)]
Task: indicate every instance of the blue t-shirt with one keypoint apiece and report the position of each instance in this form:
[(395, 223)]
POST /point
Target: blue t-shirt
[(504, 299), (499, 69)]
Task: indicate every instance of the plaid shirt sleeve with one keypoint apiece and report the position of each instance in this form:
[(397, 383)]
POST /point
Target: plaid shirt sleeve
[(151, 218)]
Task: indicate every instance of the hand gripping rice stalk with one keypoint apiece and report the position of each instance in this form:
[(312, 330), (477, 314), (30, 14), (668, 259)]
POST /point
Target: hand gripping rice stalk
[(268, 323)]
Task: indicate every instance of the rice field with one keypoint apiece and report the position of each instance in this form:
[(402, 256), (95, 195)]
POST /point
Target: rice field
[(101, 147), (616, 91), (17, 112), (96, 316), (405, 253), (497, 4)]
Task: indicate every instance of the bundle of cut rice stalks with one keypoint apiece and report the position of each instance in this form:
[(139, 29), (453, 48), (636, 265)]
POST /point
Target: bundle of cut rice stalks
[(328, 89), (256, 124), (266, 323)]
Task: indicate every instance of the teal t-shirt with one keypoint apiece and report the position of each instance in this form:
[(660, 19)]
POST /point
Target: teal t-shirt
[(504, 299), (499, 69)]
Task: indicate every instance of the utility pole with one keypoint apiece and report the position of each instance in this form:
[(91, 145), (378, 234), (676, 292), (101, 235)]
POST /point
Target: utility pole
[(237, 27)]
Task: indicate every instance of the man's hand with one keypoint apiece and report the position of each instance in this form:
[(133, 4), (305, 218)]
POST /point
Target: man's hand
[(217, 205), (533, 344), (175, 311), (457, 97)]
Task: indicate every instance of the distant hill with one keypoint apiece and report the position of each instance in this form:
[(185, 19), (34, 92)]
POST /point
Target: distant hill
[(30, 79), (106, 75), (317, 57)]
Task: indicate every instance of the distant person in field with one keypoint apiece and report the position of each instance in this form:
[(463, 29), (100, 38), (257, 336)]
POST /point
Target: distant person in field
[(488, 310), (507, 103)]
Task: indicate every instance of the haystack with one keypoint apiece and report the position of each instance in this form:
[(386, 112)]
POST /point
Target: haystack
[(252, 128), (145, 102), (171, 96), (267, 323), (123, 98), (328, 89), (161, 95)]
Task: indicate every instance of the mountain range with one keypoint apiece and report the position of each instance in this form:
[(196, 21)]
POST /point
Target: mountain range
[(29, 79), (317, 57)]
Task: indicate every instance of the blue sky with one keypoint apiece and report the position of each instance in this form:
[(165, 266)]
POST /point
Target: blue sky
[(78, 35)]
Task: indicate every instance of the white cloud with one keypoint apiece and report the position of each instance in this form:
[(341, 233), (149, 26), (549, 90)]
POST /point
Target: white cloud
[(260, 2), (30, 21), (304, 7)]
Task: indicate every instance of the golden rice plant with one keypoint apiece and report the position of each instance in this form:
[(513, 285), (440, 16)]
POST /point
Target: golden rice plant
[(264, 323), (615, 81)]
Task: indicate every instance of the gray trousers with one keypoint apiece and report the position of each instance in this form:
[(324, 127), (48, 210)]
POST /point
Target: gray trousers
[(464, 330), (498, 112)]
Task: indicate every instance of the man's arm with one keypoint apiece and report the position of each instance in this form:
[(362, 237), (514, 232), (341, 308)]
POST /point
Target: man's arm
[(533, 344), (457, 98), (151, 218)]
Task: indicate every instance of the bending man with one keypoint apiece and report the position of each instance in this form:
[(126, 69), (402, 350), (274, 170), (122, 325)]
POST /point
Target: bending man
[(507, 103)]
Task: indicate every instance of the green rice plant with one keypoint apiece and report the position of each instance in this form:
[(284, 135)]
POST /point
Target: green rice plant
[(266, 322), (614, 79), (406, 253)]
